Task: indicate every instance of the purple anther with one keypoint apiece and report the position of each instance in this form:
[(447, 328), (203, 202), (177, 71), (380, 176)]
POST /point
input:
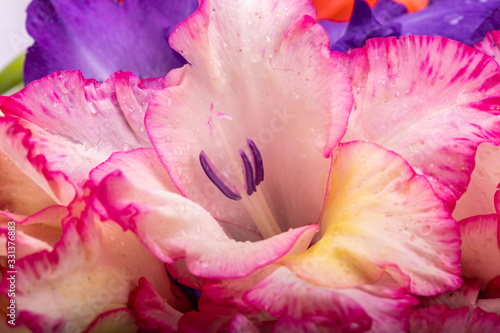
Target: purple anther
[(249, 180), (257, 160), (211, 173)]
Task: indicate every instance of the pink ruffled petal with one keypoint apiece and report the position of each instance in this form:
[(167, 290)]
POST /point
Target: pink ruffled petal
[(24, 244), (489, 305), (466, 295), (91, 270), (257, 70), (240, 323), (232, 291), (480, 252), (478, 199), (481, 321), (173, 228), (27, 185), (224, 291), (301, 305), (39, 231), (381, 218), (429, 99), (221, 317), (142, 165), (152, 310), (439, 318), (78, 123), (120, 320), (490, 45)]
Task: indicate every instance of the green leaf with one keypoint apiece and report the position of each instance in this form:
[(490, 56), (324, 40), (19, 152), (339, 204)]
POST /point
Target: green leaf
[(12, 75)]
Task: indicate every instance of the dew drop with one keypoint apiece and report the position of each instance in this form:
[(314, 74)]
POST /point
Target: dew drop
[(426, 229), (456, 20), (92, 107), (255, 57)]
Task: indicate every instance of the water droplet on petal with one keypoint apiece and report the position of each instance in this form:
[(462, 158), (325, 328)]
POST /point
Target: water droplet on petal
[(92, 107)]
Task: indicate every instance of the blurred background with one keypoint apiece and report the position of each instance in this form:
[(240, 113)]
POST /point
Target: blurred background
[(13, 36)]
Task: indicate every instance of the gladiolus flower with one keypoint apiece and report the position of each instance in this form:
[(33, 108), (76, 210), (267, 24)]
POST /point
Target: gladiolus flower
[(298, 189), (260, 176)]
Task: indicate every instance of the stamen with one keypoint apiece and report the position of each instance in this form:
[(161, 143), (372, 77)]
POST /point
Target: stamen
[(257, 160), (249, 180), (209, 169)]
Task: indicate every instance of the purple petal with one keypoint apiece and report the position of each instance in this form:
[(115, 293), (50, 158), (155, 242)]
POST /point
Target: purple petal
[(365, 24), (100, 37), (387, 10), (334, 29), (361, 25), (454, 19), (492, 23)]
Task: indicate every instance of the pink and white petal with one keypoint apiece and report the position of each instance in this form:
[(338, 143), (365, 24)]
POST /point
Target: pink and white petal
[(490, 305), (173, 228), (489, 45), (480, 252), (78, 123), (259, 70), (27, 185), (23, 244), (92, 270), (381, 218), (218, 318), (295, 302), (481, 321), (52, 216), (120, 320), (429, 99), (439, 318), (152, 310), (232, 291), (39, 231), (466, 295), (142, 165), (478, 199), (133, 95), (240, 323)]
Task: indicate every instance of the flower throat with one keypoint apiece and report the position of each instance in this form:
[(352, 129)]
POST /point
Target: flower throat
[(250, 176)]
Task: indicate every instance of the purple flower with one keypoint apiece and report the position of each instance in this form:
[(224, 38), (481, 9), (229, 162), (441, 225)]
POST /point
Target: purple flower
[(466, 22), (100, 37)]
